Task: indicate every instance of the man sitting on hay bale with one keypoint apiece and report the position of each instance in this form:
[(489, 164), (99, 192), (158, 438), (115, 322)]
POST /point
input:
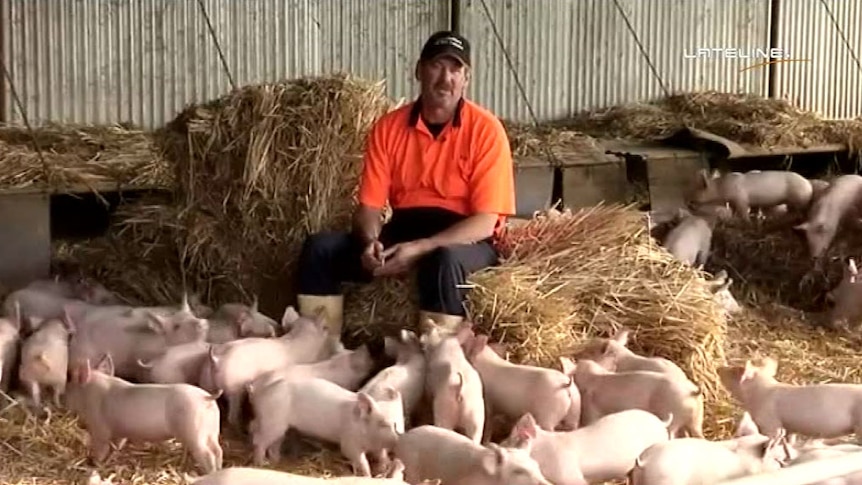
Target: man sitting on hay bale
[(445, 166)]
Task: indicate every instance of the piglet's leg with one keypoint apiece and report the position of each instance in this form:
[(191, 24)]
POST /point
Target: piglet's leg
[(361, 467), (35, 393), (57, 394), (216, 450)]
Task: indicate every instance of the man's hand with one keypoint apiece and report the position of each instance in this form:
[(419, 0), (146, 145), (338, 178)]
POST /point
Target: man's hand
[(372, 257), (401, 257)]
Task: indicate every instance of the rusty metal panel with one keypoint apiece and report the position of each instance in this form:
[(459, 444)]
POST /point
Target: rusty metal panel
[(25, 239), (101, 61), (572, 55), (829, 82)]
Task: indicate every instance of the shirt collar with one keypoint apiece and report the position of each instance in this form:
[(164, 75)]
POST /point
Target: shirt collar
[(416, 110)]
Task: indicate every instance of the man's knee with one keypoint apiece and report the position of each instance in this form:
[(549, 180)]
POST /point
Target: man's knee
[(442, 258), (322, 245)]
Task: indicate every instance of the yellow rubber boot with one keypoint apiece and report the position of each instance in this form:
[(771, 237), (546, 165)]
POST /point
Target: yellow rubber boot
[(333, 305)]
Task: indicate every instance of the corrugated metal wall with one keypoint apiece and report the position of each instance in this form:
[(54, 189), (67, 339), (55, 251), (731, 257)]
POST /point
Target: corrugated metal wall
[(830, 83), (572, 55), (141, 61)]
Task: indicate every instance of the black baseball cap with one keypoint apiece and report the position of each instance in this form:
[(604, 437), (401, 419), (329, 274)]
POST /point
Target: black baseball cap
[(447, 43)]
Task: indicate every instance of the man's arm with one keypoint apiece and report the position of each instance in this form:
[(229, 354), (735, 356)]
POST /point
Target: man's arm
[(492, 186), (367, 222), (472, 229), (373, 186)]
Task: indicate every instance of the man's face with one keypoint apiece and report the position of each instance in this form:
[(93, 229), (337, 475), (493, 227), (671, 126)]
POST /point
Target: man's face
[(443, 80)]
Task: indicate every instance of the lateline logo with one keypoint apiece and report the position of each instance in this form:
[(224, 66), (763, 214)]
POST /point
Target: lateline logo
[(762, 57)]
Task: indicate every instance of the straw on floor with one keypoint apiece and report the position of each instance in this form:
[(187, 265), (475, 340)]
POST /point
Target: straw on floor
[(52, 450)]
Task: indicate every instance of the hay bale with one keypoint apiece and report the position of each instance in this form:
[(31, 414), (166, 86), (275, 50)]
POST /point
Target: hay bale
[(260, 168), (78, 155), (138, 256), (769, 262), (53, 451), (747, 119), (529, 141), (568, 278)]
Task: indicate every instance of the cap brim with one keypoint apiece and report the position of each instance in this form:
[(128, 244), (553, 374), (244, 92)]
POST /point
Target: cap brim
[(452, 55)]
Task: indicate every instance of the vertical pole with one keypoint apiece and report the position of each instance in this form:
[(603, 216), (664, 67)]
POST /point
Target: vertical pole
[(455, 15), (774, 24), (3, 116)]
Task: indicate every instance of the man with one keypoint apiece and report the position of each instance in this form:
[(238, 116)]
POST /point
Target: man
[(445, 166)]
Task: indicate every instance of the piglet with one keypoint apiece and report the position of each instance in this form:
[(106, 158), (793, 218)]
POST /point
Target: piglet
[(10, 334), (455, 386), (605, 392), (347, 369), (178, 364), (839, 204), (614, 355), (234, 365), (691, 239), (846, 299), (695, 461), (322, 410), (233, 321), (720, 288), (114, 410), (818, 187), (132, 337), (816, 410), (823, 452), (45, 359), (407, 375), (603, 451), (550, 396), (756, 189), (259, 476), (56, 286), (430, 452)]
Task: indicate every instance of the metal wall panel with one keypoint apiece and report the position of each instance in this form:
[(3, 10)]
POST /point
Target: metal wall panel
[(101, 61), (830, 83), (572, 55)]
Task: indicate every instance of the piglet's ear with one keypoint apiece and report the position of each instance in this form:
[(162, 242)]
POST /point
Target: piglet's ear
[(525, 428), (364, 404)]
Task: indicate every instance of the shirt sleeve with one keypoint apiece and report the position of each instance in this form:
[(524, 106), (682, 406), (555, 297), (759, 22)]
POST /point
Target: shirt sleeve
[(376, 177), (492, 182)]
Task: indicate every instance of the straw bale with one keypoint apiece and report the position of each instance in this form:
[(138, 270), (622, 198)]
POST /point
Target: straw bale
[(769, 262), (747, 119), (567, 278), (260, 168), (80, 155), (52, 451), (529, 141), (137, 257)]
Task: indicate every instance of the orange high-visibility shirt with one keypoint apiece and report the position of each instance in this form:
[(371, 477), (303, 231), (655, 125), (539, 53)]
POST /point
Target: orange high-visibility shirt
[(467, 169)]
